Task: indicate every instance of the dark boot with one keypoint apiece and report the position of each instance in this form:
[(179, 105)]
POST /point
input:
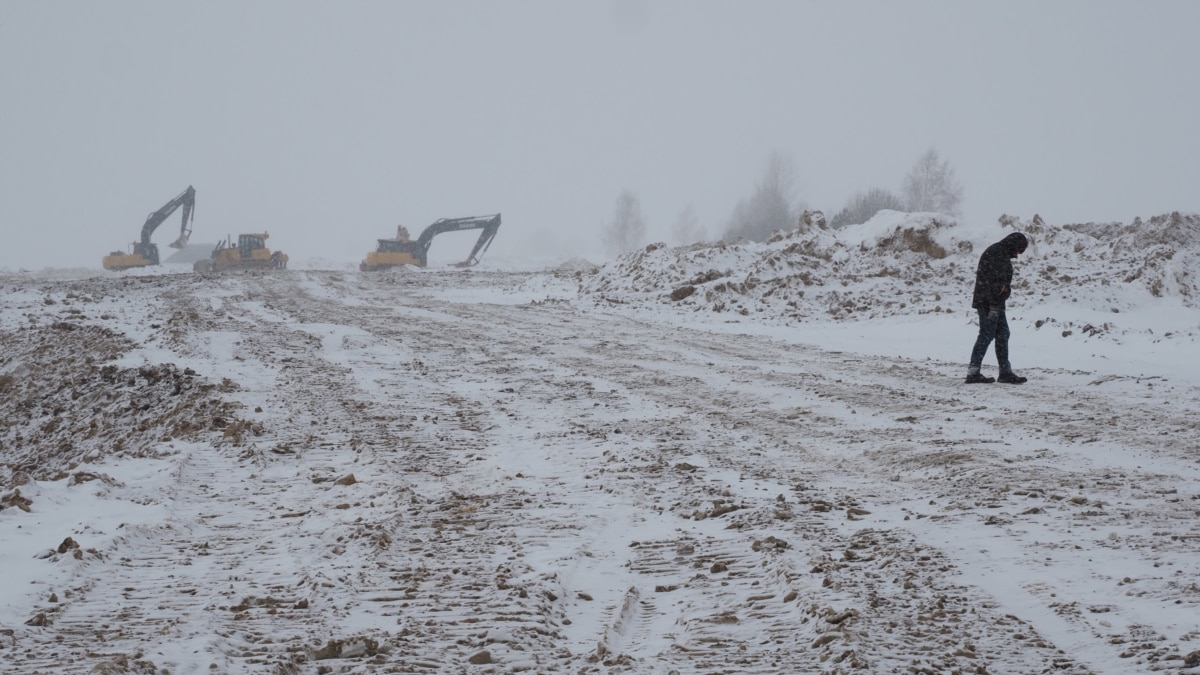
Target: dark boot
[(979, 378), (1012, 378)]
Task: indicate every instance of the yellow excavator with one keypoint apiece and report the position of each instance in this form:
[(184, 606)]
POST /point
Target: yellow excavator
[(404, 251), (250, 253), (145, 253)]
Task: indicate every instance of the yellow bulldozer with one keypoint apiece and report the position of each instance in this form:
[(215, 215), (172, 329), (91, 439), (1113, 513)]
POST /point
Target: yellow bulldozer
[(250, 253)]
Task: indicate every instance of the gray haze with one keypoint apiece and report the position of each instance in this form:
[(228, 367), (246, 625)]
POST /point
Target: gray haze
[(328, 123)]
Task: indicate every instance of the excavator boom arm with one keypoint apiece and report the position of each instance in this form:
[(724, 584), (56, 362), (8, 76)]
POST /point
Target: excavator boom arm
[(186, 199), (489, 225), (481, 244)]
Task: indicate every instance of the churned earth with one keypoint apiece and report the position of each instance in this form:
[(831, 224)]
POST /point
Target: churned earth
[(587, 470)]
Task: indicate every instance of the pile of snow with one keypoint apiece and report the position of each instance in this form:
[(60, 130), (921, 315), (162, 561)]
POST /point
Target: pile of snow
[(1159, 255), (913, 264)]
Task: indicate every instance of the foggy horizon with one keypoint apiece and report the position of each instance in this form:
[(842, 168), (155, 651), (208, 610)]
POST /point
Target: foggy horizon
[(329, 124)]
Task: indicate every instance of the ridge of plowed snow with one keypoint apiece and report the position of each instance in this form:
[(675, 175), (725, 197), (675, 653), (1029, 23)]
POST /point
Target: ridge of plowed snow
[(901, 264)]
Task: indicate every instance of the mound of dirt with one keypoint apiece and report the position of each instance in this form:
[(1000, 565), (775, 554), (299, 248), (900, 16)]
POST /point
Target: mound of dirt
[(68, 404), (903, 264)]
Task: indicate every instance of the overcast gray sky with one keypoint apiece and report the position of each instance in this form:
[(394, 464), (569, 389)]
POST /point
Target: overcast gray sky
[(328, 123)]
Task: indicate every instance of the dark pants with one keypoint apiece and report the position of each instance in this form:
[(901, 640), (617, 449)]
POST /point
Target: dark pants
[(992, 326)]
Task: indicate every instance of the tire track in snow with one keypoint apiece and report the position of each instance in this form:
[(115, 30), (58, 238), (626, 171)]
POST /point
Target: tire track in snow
[(878, 397), (920, 393), (638, 382), (813, 499), (197, 580)]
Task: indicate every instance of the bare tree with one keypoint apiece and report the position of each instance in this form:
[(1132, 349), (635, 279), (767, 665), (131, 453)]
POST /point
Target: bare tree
[(687, 228), (863, 205), (628, 228), (931, 186), (771, 206)]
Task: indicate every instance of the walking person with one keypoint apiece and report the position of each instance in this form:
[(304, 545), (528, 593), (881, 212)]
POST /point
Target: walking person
[(993, 285)]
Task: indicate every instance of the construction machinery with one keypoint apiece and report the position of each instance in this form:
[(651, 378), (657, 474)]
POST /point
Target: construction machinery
[(250, 253), (144, 253), (405, 251)]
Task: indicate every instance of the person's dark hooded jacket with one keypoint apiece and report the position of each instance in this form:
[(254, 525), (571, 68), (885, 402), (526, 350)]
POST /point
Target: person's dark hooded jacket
[(993, 278)]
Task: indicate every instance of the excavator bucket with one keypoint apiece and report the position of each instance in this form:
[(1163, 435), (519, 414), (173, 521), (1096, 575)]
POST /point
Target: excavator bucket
[(185, 230), (189, 212)]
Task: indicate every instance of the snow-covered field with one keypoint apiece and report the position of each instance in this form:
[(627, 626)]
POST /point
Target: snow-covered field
[(725, 458)]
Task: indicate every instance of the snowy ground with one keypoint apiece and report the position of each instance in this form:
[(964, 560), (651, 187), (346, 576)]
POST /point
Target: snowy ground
[(568, 469)]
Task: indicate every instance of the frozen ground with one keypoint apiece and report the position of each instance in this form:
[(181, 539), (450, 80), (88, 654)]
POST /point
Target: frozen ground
[(523, 468)]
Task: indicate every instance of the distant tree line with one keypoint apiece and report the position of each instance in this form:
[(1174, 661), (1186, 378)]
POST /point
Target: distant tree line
[(627, 229), (930, 185)]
